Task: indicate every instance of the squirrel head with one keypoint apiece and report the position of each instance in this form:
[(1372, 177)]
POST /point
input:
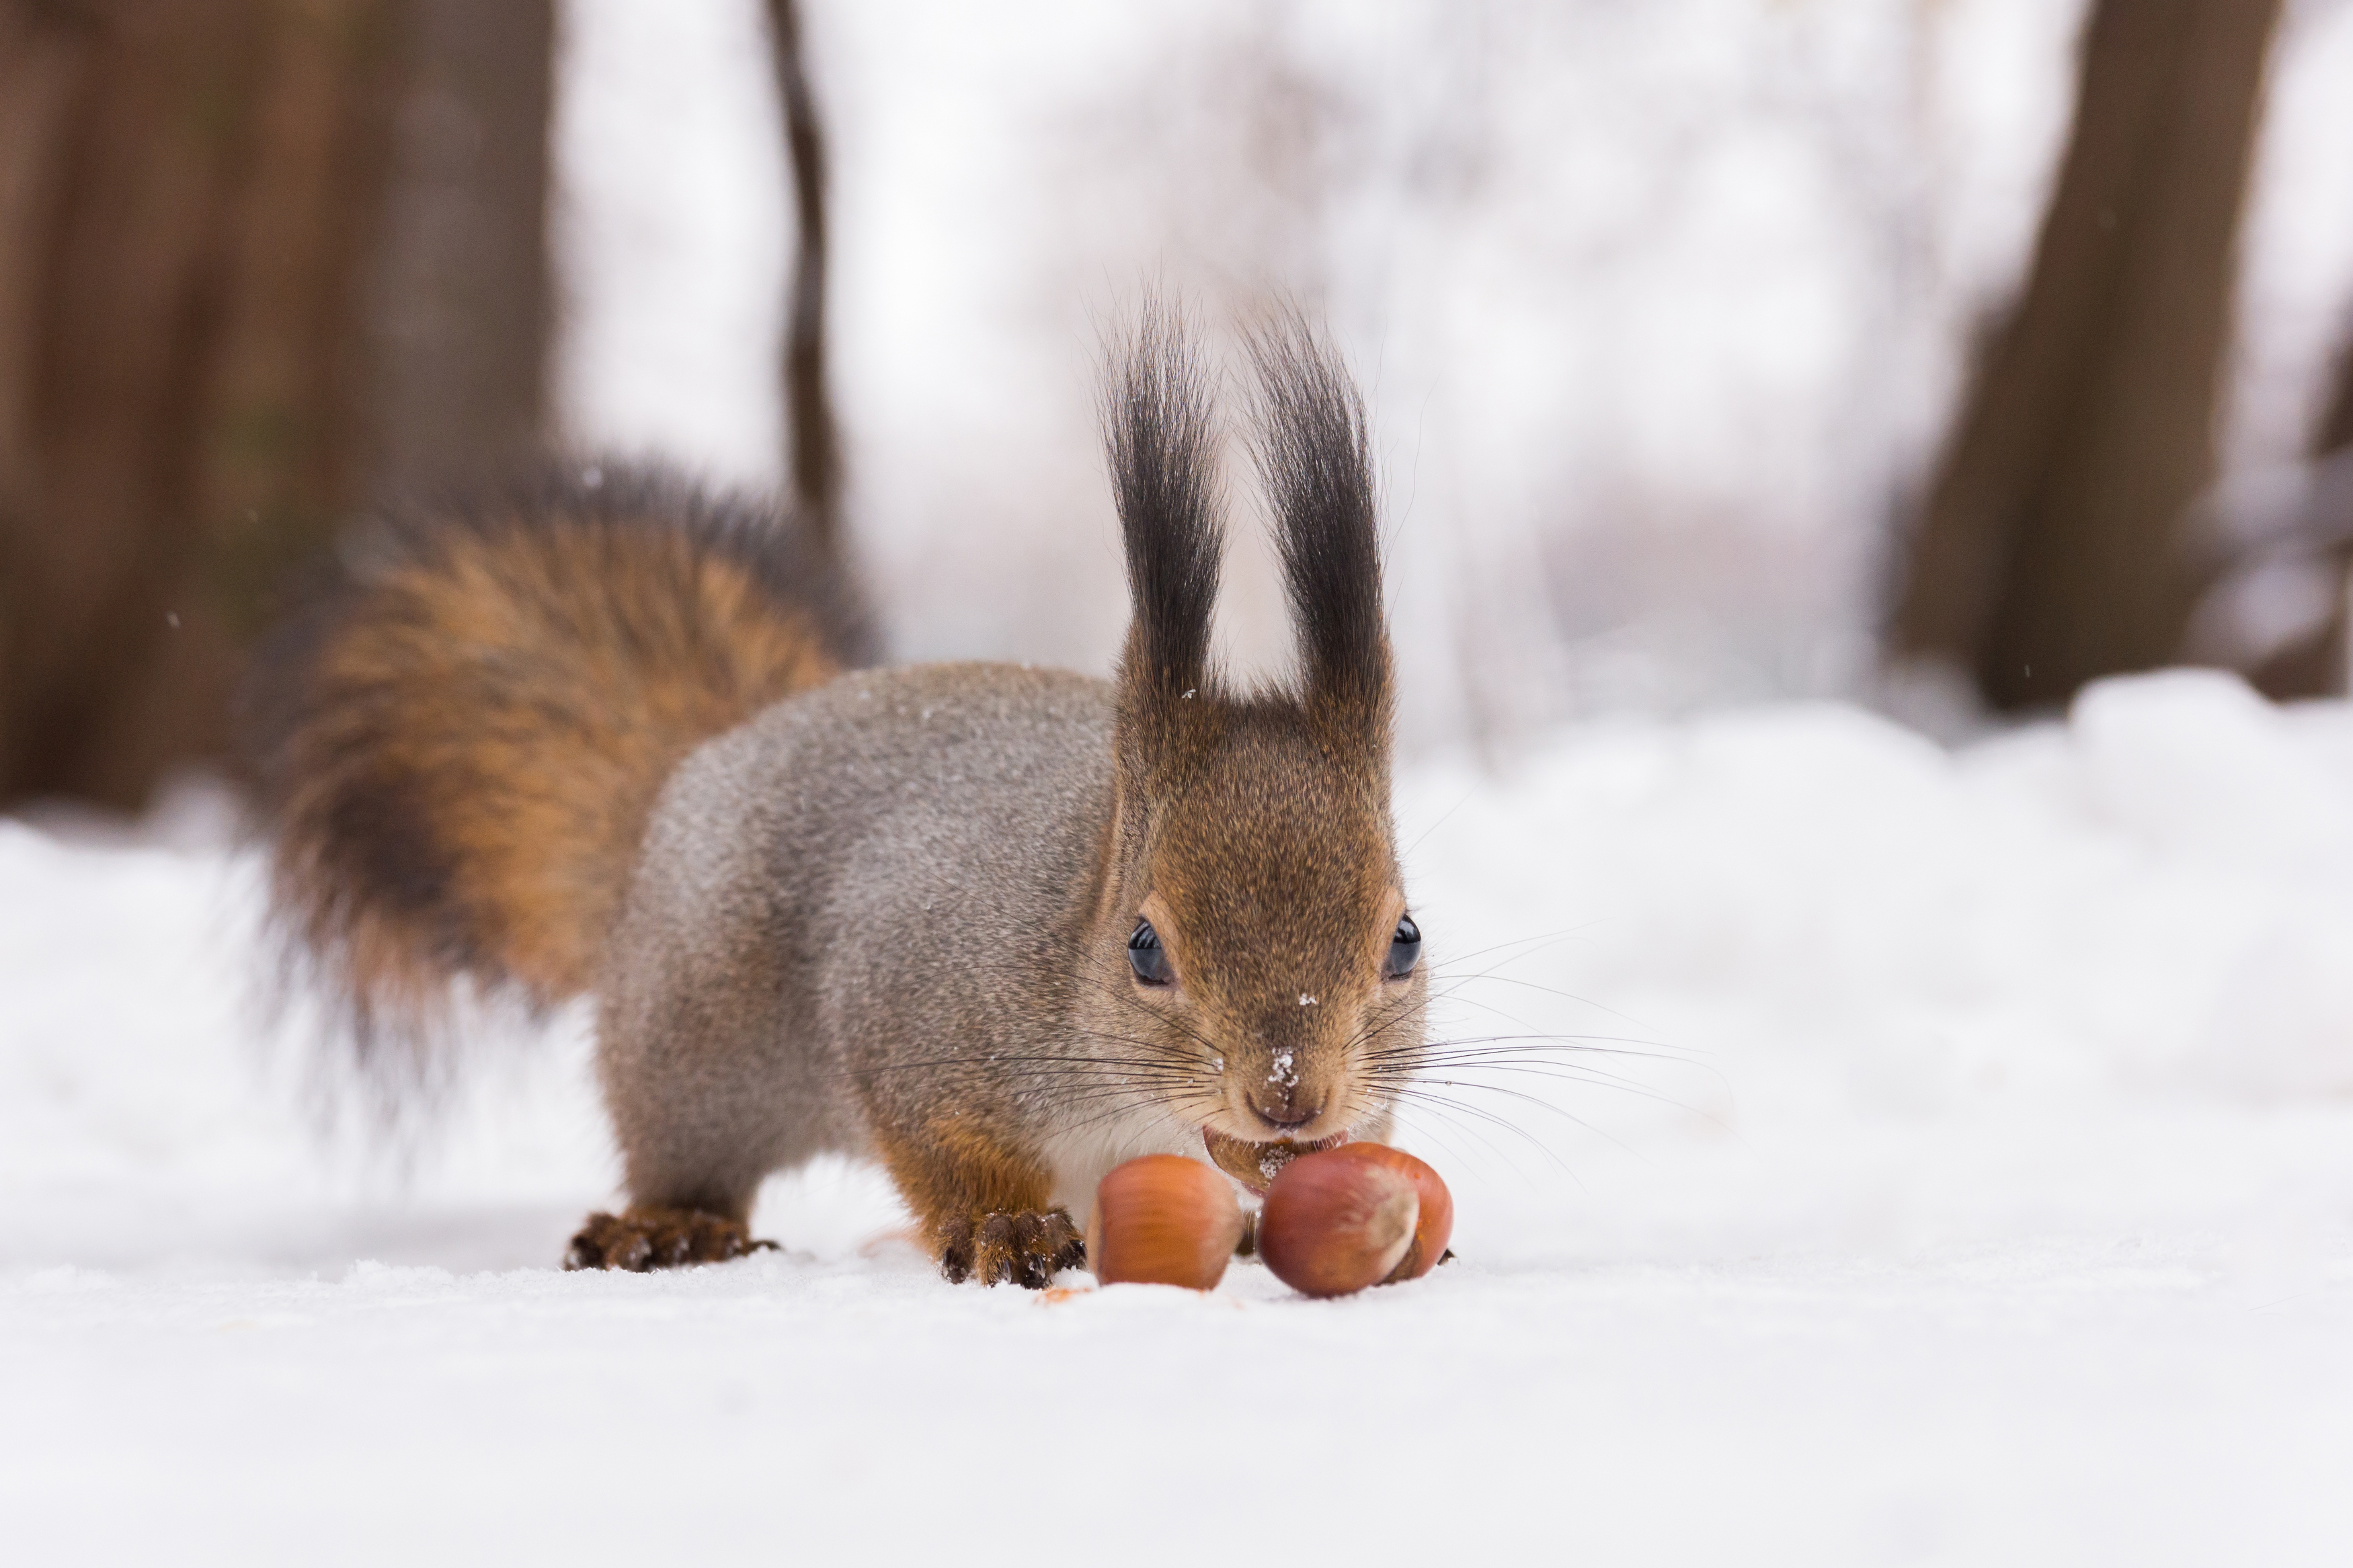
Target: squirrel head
[(1270, 954)]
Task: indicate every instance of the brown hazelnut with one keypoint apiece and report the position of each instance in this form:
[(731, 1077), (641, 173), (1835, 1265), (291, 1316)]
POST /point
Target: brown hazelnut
[(1332, 1226), (1434, 1228), (1163, 1220)]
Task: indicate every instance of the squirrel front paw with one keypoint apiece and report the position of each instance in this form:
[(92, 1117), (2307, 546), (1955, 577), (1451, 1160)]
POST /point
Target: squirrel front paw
[(644, 1238), (1025, 1250)]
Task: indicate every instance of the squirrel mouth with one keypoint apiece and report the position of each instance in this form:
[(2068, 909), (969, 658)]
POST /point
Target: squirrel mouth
[(1255, 1165)]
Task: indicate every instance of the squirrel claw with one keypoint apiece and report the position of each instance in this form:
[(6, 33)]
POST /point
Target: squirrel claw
[(643, 1239), (1025, 1250)]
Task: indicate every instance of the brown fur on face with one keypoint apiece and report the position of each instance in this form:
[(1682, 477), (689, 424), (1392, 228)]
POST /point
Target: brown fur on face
[(1256, 832), (1274, 883), (458, 744)]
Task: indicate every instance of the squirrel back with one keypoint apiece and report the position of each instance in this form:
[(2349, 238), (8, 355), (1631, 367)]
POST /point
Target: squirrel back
[(456, 741)]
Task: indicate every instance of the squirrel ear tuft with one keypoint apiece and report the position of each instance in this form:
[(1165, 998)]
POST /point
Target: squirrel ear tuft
[(1159, 435), (1315, 460)]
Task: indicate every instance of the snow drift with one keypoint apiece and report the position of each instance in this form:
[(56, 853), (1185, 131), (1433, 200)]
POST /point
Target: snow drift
[(1884, 1154)]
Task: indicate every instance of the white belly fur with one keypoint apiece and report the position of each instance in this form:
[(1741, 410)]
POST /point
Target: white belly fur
[(1080, 1159)]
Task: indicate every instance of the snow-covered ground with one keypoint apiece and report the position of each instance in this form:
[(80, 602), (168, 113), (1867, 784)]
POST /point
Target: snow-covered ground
[(1977, 1188)]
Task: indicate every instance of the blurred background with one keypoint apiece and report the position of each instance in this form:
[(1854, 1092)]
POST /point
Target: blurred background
[(1926, 1144), (1941, 355)]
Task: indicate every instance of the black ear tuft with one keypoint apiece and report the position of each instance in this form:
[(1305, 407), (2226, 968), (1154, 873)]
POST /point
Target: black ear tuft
[(1313, 457), (1159, 435)]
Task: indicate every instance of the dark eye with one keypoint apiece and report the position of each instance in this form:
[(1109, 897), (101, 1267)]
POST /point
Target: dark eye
[(1405, 949), (1147, 957)]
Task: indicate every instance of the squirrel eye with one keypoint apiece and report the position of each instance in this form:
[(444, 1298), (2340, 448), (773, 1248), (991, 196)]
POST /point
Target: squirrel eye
[(1405, 949), (1147, 957)]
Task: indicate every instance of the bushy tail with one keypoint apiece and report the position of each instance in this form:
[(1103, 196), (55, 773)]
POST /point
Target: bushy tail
[(456, 741)]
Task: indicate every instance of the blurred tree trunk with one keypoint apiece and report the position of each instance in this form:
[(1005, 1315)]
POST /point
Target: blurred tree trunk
[(459, 315), (2315, 665), (2047, 552), (816, 447), (208, 352)]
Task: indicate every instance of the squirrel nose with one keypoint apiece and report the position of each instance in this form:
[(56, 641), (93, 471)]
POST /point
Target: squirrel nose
[(1279, 1112)]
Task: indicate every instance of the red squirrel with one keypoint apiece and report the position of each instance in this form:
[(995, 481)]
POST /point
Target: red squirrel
[(998, 928)]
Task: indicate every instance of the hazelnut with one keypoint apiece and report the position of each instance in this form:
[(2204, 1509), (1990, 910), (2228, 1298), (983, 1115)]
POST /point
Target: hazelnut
[(1332, 1225), (1435, 1227), (1163, 1220)]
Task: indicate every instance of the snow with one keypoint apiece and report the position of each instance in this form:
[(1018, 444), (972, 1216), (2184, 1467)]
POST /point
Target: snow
[(1983, 1192)]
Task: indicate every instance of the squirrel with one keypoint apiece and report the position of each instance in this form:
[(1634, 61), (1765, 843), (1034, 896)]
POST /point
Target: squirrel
[(997, 927)]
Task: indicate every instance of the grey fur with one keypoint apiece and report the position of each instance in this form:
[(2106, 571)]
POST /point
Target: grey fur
[(890, 871), (885, 898)]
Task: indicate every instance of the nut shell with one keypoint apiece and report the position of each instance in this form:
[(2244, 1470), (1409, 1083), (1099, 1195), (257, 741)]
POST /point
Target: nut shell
[(1333, 1225), (1163, 1220), (1434, 1228)]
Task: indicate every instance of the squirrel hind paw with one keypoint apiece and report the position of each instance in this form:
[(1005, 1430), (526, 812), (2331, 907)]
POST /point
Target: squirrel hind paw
[(643, 1239), (1025, 1250)]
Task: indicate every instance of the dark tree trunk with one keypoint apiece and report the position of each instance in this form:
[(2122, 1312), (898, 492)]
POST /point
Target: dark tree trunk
[(2048, 552), (816, 446), (148, 389), (460, 313), (204, 363)]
